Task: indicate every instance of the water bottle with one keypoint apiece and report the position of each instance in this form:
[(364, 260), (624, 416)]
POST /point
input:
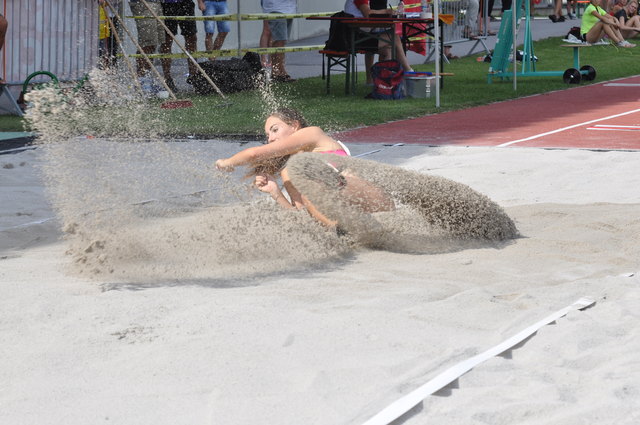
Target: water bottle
[(400, 10)]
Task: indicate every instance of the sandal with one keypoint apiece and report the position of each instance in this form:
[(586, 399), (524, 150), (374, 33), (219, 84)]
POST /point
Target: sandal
[(470, 35)]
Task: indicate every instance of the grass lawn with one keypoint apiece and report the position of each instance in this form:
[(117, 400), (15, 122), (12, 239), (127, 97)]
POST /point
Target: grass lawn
[(245, 112)]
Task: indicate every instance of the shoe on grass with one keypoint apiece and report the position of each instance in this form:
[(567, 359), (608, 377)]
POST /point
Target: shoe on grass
[(625, 43)]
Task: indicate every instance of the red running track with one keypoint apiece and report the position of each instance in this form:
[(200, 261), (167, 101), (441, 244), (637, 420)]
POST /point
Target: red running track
[(599, 116)]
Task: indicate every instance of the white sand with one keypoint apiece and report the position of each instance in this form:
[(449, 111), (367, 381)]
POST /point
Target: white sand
[(337, 342)]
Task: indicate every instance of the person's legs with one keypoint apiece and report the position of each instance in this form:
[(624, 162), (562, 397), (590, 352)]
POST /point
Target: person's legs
[(113, 41), (356, 191), (189, 31), (384, 49), (471, 19), (150, 32), (143, 66), (280, 30), (168, 9), (219, 41), (277, 60), (191, 44), (485, 19), (209, 26), (265, 41), (4, 24), (598, 31), (368, 63), (400, 55), (626, 34), (595, 33), (620, 39), (165, 48), (366, 195), (557, 12), (223, 26), (634, 22), (208, 43)]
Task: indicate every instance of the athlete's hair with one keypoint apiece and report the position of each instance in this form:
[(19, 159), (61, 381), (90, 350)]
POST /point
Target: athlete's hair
[(290, 116)]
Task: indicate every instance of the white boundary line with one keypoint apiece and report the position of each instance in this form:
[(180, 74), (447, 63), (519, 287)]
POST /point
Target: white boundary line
[(618, 126), (378, 150), (406, 403), (612, 129), (622, 85), (513, 142), (24, 148), (32, 223)]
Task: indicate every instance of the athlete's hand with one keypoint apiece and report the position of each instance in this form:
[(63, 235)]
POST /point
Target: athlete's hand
[(223, 165), (267, 184)]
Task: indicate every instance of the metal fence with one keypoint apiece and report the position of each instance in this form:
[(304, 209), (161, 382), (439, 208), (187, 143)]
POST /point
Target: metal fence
[(59, 36)]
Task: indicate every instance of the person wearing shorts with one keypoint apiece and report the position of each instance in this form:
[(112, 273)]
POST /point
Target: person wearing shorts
[(150, 31), (212, 8), (280, 32), (187, 30), (596, 22)]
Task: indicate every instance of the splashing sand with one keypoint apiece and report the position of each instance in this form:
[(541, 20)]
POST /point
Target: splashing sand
[(139, 209), (445, 209)]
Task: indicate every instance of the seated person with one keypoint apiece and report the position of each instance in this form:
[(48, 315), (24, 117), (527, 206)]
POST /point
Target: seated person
[(629, 20), (617, 7), (596, 22), (361, 9)]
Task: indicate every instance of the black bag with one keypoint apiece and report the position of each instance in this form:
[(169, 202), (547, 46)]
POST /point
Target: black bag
[(231, 75), (338, 34), (575, 31)]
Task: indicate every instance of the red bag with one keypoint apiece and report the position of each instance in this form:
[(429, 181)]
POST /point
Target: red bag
[(388, 80)]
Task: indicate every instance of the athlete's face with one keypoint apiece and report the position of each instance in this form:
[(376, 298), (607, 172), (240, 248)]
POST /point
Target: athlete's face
[(276, 129)]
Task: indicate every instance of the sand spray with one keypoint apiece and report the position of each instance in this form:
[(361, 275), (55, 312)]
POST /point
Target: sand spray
[(138, 208)]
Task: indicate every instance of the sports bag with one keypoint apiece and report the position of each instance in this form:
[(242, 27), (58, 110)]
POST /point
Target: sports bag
[(388, 80)]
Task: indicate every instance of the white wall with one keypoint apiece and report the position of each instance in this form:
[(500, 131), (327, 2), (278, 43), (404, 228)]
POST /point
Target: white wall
[(58, 36)]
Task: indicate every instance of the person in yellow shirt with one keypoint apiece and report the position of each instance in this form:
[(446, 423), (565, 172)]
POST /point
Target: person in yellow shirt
[(596, 22), (105, 43)]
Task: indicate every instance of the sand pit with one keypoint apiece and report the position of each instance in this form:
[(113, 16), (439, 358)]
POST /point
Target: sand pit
[(210, 336)]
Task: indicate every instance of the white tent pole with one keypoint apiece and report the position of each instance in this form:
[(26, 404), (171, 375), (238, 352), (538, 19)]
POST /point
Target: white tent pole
[(514, 62), (436, 17), (239, 31)]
